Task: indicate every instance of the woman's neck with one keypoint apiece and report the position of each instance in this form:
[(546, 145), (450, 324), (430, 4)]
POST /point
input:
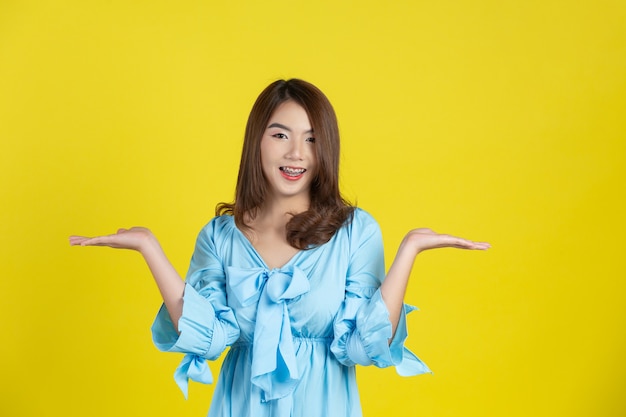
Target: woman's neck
[(275, 213)]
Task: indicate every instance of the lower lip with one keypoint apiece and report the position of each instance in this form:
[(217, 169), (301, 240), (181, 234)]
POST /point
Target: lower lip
[(290, 178)]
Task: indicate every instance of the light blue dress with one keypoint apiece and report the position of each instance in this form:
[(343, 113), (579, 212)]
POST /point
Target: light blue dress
[(295, 333)]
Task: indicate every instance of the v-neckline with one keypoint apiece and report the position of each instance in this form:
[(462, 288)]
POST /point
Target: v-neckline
[(247, 241)]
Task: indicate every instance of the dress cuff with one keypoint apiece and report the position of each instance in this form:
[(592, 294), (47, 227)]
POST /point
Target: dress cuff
[(201, 337), (372, 321), (374, 327), (199, 330)]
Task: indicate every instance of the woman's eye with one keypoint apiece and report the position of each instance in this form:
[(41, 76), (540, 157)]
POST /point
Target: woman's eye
[(280, 135), (312, 140)]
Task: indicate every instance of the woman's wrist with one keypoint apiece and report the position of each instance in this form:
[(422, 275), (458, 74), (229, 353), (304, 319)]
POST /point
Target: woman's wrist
[(149, 245)]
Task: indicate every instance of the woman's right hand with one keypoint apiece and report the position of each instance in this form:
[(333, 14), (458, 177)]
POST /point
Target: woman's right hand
[(135, 238), (142, 240), (424, 239)]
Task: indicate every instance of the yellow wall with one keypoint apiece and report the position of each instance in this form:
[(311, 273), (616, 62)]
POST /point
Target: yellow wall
[(493, 120)]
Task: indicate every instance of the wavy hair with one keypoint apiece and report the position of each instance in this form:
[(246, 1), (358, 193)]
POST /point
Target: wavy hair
[(328, 210)]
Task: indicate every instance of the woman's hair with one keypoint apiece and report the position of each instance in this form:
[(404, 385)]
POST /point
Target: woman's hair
[(328, 211)]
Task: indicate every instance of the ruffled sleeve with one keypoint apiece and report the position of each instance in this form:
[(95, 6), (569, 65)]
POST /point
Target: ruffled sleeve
[(207, 325), (362, 328)]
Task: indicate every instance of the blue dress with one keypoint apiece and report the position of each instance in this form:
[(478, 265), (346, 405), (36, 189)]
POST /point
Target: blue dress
[(294, 333)]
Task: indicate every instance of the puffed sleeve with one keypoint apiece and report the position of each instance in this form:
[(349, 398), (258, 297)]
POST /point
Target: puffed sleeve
[(207, 325), (362, 327)]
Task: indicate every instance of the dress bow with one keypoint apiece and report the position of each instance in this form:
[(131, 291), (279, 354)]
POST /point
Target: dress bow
[(274, 366), (192, 367)]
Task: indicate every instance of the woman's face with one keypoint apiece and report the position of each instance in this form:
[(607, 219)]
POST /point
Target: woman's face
[(288, 156)]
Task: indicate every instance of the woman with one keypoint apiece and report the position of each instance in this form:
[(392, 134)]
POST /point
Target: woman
[(289, 276)]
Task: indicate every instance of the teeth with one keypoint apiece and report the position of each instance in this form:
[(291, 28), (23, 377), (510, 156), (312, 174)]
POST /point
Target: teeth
[(292, 172)]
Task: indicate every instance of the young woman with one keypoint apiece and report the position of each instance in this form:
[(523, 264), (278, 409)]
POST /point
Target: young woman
[(289, 276)]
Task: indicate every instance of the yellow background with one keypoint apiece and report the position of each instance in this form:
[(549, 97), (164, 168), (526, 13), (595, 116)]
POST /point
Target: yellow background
[(502, 121)]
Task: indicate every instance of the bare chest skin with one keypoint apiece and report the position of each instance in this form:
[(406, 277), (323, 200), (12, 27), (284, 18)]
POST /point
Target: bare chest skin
[(272, 247), (267, 230)]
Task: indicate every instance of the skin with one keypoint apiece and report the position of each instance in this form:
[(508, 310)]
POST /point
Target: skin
[(287, 142)]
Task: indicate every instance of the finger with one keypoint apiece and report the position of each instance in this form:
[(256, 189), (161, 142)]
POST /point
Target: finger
[(80, 240), (461, 243), (106, 240), (100, 240), (468, 244), (482, 245), (77, 240)]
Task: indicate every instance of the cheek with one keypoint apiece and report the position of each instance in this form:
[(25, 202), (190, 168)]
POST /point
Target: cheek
[(266, 153), (316, 161), (265, 161), (270, 150), (313, 155)]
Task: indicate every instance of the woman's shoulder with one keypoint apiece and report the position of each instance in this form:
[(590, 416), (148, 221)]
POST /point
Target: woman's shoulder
[(361, 225), (362, 218), (218, 226)]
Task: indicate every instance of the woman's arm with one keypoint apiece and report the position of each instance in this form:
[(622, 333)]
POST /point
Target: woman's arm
[(142, 240), (394, 286)]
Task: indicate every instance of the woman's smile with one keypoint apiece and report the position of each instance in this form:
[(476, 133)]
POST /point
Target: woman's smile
[(291, 173), (288, 155)]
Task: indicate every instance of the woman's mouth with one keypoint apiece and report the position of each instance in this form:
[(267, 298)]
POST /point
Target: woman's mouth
[(292, 173)]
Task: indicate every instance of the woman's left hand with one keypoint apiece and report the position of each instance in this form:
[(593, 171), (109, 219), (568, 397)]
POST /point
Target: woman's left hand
[(394, 286), (135, 238), (423, 239)]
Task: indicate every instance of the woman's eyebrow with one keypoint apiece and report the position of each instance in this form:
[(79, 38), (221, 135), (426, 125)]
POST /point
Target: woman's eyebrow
[(282, 126)]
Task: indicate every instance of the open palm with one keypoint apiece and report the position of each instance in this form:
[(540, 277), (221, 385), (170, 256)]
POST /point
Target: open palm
[(134, 238), (423, 239)]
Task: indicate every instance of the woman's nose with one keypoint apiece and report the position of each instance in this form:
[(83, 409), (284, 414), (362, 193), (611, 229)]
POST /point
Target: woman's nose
[(295, 150)]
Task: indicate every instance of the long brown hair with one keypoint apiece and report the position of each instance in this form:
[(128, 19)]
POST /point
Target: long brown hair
[(328, 210)]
